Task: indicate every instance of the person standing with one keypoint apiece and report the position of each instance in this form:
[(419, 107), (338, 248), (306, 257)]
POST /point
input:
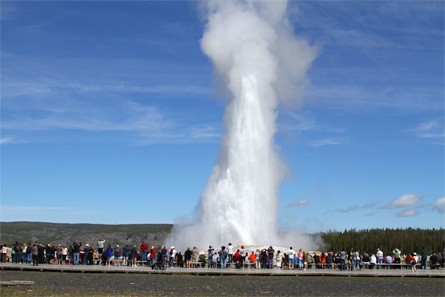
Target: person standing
[(100, 249), (125, 253), (230, 252), (133, 256), (117, 255), (356, 260), (397, 256), (35, 254), (86, 255), (342, 259), (4, 252), (379, 255), (164, 254), (223, 257), (291, 254), (423, 259), (443, 258), (172, 255), (210, 256), (270, 254), (188, 257), (109, 254), (144, 250), (76, 251), (413, 263), (243, 255), (17, 249), (153, 253), (258, 259), (278, 258), (64, 252)]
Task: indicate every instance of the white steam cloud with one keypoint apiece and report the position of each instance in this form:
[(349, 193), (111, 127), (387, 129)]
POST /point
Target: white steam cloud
[(260, 62)]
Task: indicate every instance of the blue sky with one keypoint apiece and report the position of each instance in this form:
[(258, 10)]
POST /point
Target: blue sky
[(110, 113)]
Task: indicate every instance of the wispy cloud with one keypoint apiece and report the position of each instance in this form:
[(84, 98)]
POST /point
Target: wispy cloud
[(433, 129), (406, 200), (355, 207), (204, 132), (326, 141), (410, 212), (6, 140), (147, 123), (296, 124), (439, 205), (25, 208), (299, 202)]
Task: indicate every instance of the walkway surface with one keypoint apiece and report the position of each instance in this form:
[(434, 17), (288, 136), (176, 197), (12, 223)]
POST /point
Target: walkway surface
[(436, 273)]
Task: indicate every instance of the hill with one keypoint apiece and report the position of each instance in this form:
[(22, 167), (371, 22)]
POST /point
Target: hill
[(60, 233)]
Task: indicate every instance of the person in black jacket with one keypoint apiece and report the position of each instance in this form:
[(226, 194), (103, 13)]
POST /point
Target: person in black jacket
[(76, 251)]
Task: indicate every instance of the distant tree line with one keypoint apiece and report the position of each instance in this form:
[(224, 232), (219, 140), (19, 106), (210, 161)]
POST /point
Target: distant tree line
[(369, 240)]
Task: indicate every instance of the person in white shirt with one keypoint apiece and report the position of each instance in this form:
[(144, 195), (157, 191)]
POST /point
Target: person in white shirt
[(100, 249), (379, 256), (291, 254), (230, 251)]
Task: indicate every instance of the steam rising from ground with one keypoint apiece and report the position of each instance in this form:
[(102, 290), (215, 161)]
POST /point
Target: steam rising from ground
[(259, 61)]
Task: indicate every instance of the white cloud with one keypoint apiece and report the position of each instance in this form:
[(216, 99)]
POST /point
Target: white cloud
[(431, 129), (355, 207), (439, 205), (149, 123), (406, 200), (299, 202), (6, 140), (204, 131), (410, 212), (326, 141)]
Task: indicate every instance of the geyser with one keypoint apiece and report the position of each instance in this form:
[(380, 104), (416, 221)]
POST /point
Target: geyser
[(259, 62)]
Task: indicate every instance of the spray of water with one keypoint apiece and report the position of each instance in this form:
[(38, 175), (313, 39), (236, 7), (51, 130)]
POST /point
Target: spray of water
[(259, 62)]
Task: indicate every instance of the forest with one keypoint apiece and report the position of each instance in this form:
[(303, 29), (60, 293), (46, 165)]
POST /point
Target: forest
[(408, 240)]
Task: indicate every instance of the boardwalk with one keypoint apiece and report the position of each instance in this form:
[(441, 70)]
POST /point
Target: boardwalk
[(436, 273)]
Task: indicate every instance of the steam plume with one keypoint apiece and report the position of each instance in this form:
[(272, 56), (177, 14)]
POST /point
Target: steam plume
[(259, 62)]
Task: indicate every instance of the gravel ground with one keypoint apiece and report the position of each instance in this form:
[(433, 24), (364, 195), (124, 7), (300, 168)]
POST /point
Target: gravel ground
[(123, 284)]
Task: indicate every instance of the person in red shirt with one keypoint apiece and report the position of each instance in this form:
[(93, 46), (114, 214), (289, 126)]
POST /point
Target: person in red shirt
[(144, 249), (252, 259), (153, 253)]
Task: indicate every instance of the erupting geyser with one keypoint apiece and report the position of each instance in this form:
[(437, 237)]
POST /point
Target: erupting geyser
[(259, 62)]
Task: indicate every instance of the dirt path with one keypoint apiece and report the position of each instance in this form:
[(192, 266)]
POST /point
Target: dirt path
[(122, 284)]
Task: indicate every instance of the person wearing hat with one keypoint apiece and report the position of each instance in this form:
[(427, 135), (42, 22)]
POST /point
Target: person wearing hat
[(243, 254), (397, 253), (172, 255), (117, 255)]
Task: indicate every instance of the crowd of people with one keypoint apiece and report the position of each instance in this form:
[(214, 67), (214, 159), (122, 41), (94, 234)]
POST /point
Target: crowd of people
[(224, 257)]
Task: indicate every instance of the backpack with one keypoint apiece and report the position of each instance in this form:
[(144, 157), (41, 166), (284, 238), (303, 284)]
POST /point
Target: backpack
[(224, 254)]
